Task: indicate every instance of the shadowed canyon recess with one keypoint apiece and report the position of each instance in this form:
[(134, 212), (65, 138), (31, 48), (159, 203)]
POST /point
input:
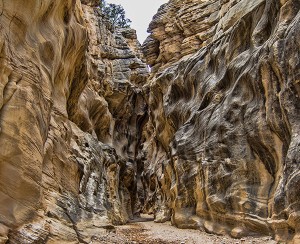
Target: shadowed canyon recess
[(209, 139)]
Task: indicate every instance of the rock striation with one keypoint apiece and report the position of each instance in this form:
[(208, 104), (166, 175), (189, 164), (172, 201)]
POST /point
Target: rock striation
[(221, 146), (210, 140), (70, 108)]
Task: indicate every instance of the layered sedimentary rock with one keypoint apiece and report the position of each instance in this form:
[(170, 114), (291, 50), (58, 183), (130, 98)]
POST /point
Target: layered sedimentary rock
[(221, 147), (210, 141), (70, 108)]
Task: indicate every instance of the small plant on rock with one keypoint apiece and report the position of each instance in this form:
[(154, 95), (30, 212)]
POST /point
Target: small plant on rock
[(115, 14)]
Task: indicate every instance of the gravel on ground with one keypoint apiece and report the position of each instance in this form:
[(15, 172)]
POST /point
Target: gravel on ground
[(145, 231)]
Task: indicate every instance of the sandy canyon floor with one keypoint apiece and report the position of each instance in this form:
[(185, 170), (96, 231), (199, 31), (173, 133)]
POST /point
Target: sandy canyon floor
[(144, 230)]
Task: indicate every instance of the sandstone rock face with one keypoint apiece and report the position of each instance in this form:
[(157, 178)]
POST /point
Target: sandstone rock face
[(70, 111), (210, 141), (221, 147)]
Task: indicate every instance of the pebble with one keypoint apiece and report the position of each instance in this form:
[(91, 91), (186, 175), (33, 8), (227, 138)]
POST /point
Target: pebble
[(267, 238)]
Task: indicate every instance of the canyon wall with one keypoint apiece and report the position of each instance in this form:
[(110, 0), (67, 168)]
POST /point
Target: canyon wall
[(221, 146), (70, 108), (210, 140)]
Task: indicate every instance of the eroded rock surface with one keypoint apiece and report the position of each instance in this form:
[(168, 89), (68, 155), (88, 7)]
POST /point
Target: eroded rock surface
[(70, 105), (210, 141), (222, 142)]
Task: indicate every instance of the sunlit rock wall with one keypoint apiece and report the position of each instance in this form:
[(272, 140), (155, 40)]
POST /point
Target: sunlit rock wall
[(70, 103), (221, 146)]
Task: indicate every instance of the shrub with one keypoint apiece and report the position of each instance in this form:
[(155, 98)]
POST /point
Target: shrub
[(115, 13)]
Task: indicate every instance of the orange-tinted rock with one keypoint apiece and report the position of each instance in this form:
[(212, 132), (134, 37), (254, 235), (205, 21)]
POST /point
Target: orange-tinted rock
[(70, 103), (210, 141)]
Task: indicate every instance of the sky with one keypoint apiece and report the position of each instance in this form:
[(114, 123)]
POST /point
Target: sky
[(140, 12)]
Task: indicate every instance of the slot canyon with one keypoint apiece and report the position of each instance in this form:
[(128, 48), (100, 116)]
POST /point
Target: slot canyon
[(199, 126)]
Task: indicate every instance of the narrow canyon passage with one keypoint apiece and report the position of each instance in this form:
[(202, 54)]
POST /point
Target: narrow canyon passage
[(207, 140)]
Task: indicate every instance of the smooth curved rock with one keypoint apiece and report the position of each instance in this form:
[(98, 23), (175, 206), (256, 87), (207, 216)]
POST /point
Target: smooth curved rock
[(221, 144), (70, 106), (210, 141)]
